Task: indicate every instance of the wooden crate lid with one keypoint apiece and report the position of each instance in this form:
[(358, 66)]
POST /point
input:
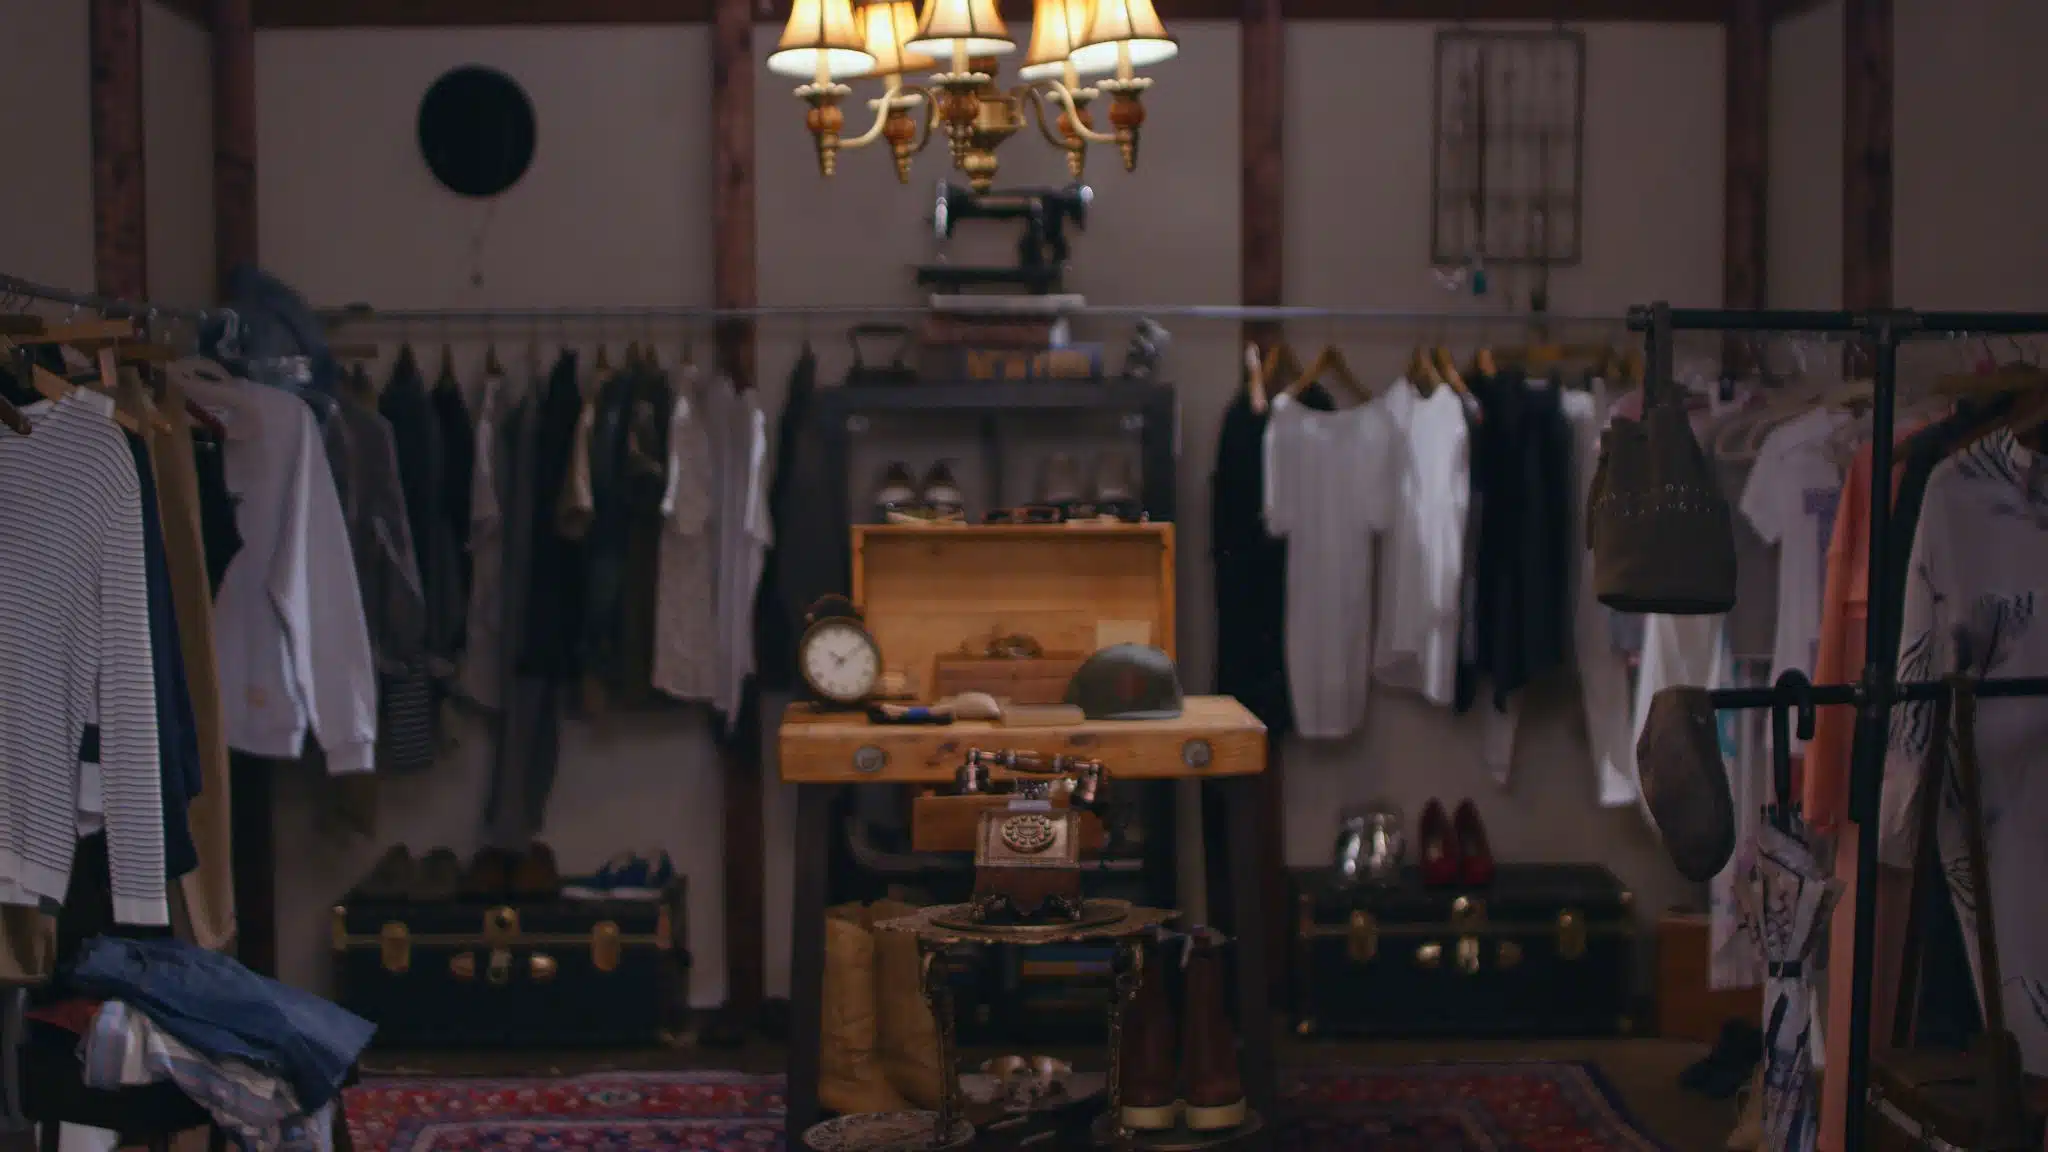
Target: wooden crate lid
[(926, 590)]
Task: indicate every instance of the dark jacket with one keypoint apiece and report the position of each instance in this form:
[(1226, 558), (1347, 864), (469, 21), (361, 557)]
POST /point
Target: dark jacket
[(416, 432), (811, 553)]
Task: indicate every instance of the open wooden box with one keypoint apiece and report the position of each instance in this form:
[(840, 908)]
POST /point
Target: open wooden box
[(934, 596), (1073, 588)]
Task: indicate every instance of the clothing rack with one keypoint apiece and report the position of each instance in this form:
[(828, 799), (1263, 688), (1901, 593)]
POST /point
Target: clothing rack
[(359, 314), (1878, 688), (14, 288)]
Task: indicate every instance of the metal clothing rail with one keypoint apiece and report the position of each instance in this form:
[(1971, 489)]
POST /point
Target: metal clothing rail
[(1879, 687), (357, 314), (14, 288)]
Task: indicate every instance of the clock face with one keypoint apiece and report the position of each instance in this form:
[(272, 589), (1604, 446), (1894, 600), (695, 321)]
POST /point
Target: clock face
[(840, 661)]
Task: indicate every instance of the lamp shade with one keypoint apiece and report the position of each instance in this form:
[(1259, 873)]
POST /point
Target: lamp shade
[(1124, 22), (1056, 27), (973, 25), (821, 36), (889, 25)]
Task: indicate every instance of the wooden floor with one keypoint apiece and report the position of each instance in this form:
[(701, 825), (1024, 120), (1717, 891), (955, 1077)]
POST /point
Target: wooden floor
[(1644, 1072)]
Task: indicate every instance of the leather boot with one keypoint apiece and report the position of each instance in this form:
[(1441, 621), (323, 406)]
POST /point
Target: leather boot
[(850, 1079), (1215, 1094), (907, 1035), (1149, 1047)]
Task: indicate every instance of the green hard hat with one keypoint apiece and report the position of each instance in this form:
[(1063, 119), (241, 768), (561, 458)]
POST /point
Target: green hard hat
[(1126, 682)]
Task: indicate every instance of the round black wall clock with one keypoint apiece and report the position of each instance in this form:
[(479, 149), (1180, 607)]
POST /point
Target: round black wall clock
[(476, 131)]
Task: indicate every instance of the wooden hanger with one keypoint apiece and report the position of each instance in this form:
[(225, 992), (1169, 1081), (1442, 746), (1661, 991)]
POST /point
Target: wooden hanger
[(1254, 377), (491, 365), (355, 352), (1483, 363), (1281, 365), (604, 360), (1447, 368), (1422, 373), (83, 332), (1330, 360)]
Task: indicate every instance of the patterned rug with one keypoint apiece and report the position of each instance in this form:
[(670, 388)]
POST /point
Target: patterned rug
[(1531, 1106)]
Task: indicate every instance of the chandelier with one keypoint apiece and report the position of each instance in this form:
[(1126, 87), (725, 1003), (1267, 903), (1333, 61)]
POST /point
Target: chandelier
[(827, 42)]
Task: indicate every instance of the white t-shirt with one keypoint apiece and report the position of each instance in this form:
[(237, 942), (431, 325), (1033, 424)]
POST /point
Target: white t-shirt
[(1790, 499), (1974, 590), (1327, 495), (1430, 479)]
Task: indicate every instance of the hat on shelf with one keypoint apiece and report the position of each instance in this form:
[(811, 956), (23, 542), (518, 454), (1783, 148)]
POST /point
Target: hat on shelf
[(1126, 682)]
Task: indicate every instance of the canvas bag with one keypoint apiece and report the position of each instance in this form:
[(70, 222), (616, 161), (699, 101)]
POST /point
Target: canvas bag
[(1661, 532), (1978, 1100)]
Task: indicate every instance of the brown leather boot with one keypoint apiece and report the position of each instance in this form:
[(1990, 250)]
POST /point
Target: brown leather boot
[(1215, 1094), (1149, 1047)]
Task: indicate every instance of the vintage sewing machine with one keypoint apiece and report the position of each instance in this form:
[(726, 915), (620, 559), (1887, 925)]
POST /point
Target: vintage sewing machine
[(1027, 854), (1042, 250)]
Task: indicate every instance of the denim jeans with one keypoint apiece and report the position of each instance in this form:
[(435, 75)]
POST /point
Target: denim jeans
[(223, 1011)]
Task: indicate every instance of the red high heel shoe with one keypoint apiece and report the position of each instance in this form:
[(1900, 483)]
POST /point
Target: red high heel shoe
[(1475, 854), (1437, 843)]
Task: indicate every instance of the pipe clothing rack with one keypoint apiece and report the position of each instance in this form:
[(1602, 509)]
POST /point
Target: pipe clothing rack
[(14, 288), (353, 315), (1878, 688)]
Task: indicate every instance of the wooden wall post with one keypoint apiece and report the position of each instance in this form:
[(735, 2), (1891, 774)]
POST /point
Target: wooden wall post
[(234, 137), (734, 285), (1867, 154), (1745, 239), (120, 205), (1262, 236)]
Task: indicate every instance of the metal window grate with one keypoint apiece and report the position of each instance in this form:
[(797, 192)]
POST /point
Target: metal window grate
[(1510, 147)]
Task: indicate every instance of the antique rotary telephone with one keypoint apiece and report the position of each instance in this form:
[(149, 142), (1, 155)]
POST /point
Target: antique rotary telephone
[(1027, 854)]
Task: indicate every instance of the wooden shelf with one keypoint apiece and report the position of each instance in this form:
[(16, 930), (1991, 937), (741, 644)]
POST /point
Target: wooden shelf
[(1215, 736)]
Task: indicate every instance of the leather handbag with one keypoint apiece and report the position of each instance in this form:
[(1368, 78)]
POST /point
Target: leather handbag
[(1661, 532), (1976, 1100)]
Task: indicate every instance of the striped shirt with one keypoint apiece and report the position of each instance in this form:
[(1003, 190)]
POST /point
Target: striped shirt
[(75, 647)]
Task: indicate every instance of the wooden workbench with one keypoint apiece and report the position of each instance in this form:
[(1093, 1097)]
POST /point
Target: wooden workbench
[(1215, 739)]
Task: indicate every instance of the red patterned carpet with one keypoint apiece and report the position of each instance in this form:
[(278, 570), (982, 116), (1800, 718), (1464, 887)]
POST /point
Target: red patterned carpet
[(1533, 1106)]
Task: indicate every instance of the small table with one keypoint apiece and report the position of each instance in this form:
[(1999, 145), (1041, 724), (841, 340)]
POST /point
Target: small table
[(1215, 739)]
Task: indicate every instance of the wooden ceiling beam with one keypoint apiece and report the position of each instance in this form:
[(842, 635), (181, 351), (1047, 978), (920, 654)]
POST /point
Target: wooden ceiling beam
[(1782, 10), (513, 13)]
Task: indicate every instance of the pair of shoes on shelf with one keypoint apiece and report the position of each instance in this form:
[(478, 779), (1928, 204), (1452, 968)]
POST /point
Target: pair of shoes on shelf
[(497, 873), (1062, 483), (627, 876), (1455, 850), (901, 499), (1180, 1069), (1723, 1071), (439, 876)]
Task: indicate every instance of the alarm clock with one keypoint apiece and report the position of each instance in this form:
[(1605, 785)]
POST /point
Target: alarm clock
[(837, 658)]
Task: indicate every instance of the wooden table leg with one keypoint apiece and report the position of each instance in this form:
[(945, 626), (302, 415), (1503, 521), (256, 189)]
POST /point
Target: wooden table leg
[(807, 954), (1247, 898)]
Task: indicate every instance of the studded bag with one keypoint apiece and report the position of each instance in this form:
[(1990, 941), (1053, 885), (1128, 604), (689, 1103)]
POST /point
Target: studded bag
[(1661, 533)]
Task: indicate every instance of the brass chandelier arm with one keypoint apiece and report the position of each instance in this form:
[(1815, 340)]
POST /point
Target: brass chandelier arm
[(1055, 90), (1044, 119), (897, 99)]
